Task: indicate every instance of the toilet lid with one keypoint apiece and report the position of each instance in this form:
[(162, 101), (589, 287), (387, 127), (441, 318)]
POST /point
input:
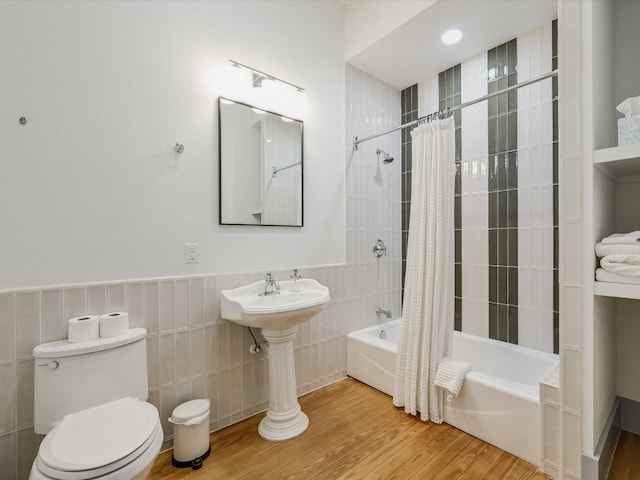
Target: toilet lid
[(99, 436)]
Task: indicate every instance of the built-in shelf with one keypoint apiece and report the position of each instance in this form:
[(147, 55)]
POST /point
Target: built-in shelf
[(618, 290), (620, 162)]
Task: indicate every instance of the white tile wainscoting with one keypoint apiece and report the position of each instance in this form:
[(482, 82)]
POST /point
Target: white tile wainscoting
[(191, 351)]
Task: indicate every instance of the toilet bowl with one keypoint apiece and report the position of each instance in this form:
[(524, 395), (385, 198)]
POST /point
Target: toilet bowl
[(118, 440)]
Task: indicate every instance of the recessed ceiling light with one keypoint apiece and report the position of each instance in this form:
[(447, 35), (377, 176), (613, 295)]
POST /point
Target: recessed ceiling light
[(451, 36)]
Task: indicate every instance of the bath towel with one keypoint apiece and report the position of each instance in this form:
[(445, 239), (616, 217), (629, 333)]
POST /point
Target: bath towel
[(628, 265), (630, 238), (450, 375), (604, 276), (602, 250)]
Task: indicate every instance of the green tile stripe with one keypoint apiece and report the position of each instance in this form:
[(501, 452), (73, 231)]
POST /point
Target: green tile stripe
[(450, 95), (502, 117), (409, 112)]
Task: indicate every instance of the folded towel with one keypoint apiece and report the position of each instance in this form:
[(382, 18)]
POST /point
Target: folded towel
[(630, 238), (450, 375), (622, 264), (602, 250), (604, 276)]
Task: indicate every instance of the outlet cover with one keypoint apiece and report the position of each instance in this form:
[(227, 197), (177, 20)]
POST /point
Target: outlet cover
[(191, 253)]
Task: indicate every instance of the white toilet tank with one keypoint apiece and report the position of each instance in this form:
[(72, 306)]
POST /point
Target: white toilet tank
[(70, 377)]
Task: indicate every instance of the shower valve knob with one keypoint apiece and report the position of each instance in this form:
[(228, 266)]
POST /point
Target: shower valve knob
[(379, 248)]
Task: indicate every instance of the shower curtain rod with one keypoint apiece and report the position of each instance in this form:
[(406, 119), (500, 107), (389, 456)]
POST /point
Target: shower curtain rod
[(544, 76)]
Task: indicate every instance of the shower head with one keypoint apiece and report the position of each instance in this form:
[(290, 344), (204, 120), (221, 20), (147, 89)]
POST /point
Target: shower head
[(386, 158)]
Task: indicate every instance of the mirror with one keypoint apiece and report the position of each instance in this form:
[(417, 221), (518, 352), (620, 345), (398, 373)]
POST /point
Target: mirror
[(260, 166)]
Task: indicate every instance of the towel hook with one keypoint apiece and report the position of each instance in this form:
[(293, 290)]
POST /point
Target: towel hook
[(179, 148)]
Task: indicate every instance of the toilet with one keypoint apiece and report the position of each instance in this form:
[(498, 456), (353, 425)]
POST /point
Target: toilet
[(90, 403)]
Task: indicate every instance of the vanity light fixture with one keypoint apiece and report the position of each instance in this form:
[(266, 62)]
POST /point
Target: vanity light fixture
[(451, 36), (259, 77)]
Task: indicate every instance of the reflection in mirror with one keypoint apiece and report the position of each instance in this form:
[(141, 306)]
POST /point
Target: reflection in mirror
[(260, 166)]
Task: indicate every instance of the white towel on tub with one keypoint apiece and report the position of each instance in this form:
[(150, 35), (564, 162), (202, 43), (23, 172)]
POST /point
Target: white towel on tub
[(450, 374)]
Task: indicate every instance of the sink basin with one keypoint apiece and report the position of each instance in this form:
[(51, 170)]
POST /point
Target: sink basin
[(278, 316), (244, 305)]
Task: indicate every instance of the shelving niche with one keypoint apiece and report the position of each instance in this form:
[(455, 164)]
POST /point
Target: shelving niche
[(622, 165)]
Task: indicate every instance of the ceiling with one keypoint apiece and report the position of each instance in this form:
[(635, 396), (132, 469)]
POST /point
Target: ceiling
[(413, 52)]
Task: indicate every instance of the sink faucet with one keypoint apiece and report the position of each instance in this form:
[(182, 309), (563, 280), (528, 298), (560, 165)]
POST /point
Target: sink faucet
[(271, 285), (386, 313)]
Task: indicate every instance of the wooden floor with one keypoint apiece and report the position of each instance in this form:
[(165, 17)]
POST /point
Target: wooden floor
[(354, 433), (626, 462)]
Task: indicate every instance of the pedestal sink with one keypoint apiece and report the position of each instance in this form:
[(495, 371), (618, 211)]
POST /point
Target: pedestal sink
[(278, 315)]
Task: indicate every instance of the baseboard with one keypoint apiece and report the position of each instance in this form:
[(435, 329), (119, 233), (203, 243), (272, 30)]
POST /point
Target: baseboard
[(597, 467), (630, 416)]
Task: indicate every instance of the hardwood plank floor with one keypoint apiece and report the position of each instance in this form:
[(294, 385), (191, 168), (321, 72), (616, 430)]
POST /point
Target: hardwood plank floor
[(626, 461), (354, 433)]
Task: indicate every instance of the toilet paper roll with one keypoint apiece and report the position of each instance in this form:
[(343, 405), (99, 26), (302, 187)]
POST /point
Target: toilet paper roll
[(84, 329), (114, 324)]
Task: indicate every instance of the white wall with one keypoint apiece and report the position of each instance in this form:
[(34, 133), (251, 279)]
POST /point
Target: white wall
[(90, 187), (191, 351)]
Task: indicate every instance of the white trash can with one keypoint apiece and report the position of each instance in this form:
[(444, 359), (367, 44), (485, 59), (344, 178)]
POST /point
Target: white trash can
[(191, 443)]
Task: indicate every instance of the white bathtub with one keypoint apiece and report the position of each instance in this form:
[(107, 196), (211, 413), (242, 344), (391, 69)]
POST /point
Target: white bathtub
[(499, 402)]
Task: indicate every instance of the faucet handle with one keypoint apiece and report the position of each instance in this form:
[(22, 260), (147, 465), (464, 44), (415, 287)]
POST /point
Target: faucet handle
[(269, 277), (294, 274)]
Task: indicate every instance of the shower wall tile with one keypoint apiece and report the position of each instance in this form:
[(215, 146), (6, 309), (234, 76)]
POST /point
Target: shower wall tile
[(374, 203), (570, 224)]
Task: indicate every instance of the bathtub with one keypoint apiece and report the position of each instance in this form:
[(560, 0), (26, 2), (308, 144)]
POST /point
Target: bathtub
[(499, 402)]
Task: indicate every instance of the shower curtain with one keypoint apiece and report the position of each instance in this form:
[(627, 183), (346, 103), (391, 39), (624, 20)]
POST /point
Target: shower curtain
[(427, 314)]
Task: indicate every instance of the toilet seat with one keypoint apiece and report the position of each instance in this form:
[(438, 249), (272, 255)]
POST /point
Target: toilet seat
[(94, 442)]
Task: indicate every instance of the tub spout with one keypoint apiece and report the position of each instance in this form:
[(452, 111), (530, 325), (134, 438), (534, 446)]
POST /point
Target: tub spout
[(386, 313)]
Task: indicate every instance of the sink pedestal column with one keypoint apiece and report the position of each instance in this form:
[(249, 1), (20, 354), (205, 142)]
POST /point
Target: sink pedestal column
[(284, 418)]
